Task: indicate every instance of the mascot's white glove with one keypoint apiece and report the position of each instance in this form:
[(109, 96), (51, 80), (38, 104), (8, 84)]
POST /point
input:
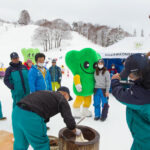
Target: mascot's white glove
[(79, 87), (78, 132)]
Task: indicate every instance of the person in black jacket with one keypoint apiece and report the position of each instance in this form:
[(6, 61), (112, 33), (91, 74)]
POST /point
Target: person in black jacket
[(34, 111)]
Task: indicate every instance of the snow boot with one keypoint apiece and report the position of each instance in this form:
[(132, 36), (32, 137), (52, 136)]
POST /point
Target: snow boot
[(86, 112), (96, 118), (76, 113), (104, 112), (3, 118), (48, 128)]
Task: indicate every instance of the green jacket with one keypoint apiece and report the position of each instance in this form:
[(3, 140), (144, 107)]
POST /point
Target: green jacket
[(16, 79)]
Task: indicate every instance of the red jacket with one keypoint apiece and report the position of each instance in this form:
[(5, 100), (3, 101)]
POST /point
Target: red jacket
[(27, 66), (113, 71)]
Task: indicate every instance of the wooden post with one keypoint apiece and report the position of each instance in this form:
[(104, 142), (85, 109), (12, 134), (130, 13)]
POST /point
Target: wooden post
[(67, 139)]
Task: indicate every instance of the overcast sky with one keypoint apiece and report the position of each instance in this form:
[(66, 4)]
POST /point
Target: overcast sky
[(129, 14)]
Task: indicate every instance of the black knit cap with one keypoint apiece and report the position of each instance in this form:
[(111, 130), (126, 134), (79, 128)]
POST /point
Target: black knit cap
[(14, 55), (134, 63)]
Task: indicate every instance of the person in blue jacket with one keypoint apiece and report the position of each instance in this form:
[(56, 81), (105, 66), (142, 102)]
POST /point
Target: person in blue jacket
[(136, 98), (56, 75), (39, 76)]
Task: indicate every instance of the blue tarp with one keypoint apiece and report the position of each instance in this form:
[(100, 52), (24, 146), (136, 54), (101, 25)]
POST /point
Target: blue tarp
[(115, 58), (117, 61)]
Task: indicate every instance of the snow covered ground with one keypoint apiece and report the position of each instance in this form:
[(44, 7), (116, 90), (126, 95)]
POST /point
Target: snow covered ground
[(114, 133)]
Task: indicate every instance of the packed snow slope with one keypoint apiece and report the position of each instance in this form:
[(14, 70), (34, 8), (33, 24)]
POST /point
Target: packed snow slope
[(114, 133)]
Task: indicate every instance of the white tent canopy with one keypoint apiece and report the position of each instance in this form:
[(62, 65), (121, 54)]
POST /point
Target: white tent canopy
[(126, 47)]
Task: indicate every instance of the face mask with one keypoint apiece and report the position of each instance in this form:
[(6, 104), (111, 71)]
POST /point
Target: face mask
[(113, 67), (100, 66), (40, 64)]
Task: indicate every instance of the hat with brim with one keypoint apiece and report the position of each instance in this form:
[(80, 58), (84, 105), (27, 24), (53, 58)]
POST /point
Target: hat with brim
[(101, 61), (65, 89), (54, 61)]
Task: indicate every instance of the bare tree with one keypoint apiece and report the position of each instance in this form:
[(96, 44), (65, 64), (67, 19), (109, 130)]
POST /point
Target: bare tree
[(134, 33), (41, 38), (142, 33), (24, 18), (102, 35), (41, 22), (51, 34)]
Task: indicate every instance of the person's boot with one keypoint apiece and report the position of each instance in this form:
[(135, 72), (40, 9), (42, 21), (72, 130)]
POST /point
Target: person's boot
[(104, 112), (86, 112), (76, 113), (3, 118), (48, 128), (96, 118)]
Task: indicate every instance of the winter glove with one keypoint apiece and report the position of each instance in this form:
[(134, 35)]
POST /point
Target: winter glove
[(59, 81), (79, 87), (78, 132), (95, 90)]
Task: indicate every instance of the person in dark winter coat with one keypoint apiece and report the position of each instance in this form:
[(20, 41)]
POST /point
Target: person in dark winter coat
[(34, 111), (56, 75), (112, 70), (39, 76), (16, 79), (136, 98), (101, 91)]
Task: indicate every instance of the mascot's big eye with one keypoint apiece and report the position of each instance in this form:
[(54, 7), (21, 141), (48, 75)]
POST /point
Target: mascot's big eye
[(86, 65), (32, 55), (95, 65), (28, 55)]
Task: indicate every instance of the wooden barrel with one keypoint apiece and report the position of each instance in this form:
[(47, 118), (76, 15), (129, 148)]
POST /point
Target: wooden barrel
[(6, 142), (67, 139), (54, 143)]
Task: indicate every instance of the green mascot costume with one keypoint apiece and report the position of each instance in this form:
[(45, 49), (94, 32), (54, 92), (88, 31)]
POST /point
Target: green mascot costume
[(29, 54), (82, 64)]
